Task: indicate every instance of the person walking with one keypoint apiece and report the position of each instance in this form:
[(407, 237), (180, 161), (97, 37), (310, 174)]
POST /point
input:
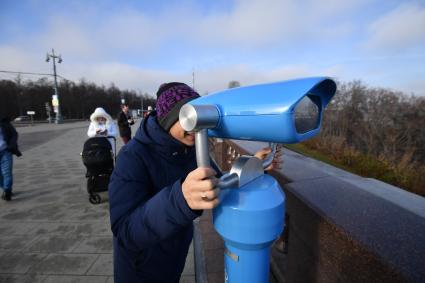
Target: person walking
[(124, 123), (155, 193), (8, 146)]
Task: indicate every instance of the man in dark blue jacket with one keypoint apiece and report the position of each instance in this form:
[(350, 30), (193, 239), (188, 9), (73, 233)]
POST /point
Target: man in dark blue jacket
[(155, 193)]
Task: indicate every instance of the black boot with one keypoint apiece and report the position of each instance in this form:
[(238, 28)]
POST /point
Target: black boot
[(7, 195)]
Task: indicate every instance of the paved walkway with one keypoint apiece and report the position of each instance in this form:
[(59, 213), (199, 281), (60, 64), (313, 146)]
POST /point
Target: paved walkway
[(50, 232)]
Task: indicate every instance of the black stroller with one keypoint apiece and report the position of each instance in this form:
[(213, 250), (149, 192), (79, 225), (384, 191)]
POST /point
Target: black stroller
[(99, 158)]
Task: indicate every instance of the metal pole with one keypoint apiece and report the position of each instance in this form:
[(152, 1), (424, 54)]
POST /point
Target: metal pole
[(20, 95), (201, 148), (58, 114), (56, 93)]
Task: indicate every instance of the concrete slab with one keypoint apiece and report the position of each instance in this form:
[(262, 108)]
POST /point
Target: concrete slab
[(8, 228), (69, 264), (189, 268), (19, 262), (50, 232), (14, 243), (75, 279), (102, 266), (75, 229), (54, 244), (187, 279), (95, 245), (22, 278), (56, 228)]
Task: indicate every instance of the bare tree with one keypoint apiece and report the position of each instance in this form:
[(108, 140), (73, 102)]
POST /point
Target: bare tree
[(78, 100)]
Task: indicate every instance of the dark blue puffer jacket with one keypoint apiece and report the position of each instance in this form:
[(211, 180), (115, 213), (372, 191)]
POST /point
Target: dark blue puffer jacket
[(150, 219)]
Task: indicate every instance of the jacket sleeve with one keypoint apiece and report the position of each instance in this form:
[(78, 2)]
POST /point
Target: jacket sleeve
[(122, 120), (12, 143), (112, 129), (139, 218), (91, 132), (13, 136)]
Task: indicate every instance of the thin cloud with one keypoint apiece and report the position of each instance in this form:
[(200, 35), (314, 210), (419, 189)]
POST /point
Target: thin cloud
[(68, 36), (258, 24), (250, 41), (18, 59), (251, 25), (207, 80), (401, 28)]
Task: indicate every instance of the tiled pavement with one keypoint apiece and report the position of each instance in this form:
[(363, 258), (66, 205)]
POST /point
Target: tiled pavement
[(50, 232)]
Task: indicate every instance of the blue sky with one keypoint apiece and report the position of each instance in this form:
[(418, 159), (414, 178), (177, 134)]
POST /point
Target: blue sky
[(141, 44)]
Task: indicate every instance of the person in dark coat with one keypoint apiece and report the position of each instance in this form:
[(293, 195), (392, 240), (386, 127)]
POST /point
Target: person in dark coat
[(8, 146), (155, 193), (124, 123)]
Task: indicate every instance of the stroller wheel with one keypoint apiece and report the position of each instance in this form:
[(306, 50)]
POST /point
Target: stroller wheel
[(94, 199)]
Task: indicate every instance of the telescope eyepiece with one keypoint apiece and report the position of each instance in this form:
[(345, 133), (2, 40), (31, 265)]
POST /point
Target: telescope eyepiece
[(198, 117)]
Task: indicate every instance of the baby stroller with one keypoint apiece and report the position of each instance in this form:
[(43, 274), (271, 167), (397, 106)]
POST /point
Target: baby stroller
[(99, 159)]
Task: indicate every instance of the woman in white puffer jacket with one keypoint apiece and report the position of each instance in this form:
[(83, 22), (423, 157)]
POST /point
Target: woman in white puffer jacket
[(102, 125)]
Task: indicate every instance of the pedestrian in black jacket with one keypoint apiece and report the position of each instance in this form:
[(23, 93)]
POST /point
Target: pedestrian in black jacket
[(124, 123), (8, 146)]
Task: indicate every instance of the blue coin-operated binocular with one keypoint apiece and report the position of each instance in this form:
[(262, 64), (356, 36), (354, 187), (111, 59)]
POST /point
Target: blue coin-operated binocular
[(251, 213)]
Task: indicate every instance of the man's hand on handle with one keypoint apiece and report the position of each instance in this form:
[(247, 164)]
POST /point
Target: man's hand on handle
[(277, 159)]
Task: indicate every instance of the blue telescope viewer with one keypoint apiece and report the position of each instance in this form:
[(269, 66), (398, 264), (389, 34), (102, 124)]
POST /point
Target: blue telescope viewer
[(252, 204)]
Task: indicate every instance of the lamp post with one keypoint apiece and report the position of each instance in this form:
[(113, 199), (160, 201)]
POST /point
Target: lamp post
[(55, 97)]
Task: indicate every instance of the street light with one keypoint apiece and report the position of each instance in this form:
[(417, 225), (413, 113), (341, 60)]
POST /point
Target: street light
[(55, 97)]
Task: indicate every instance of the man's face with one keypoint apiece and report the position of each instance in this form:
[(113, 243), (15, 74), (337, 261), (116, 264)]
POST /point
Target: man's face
[(125, 108), (177, 132)]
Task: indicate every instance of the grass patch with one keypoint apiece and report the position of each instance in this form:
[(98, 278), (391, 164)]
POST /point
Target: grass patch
[(366, 166), (304, 150)]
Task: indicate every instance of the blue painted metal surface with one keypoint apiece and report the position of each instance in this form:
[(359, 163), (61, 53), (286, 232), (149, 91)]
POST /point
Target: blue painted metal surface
[(265, 112), (249, 219)]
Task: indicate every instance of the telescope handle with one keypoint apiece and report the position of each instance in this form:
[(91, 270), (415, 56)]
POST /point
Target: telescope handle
[(269, 159), (228, 181), (203, 159), (201, 148), (231, 180)]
